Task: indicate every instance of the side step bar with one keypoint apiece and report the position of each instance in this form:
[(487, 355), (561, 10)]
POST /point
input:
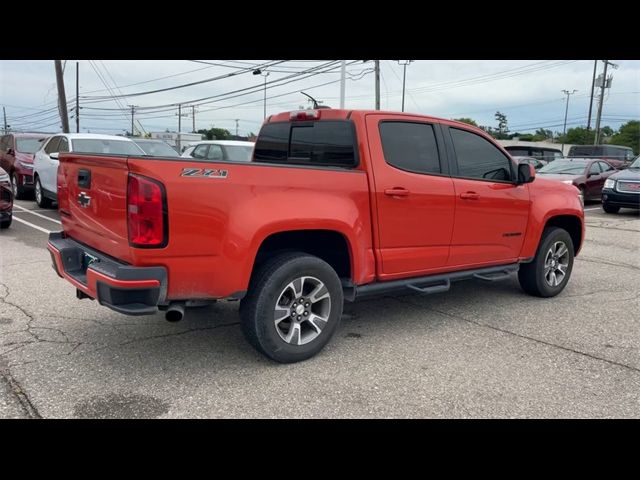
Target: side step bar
[(430, 283)]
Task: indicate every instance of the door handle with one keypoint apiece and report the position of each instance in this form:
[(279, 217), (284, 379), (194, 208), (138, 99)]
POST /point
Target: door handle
[(469, 196), (397, 192)]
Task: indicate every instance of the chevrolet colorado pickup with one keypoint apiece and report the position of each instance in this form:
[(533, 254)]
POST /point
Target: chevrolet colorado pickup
[(335, 205)]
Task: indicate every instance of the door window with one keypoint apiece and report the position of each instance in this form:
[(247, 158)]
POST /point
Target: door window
[(478, 158), (410, 146)]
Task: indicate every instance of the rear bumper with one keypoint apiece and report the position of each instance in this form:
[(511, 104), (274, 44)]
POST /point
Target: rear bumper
[(123, 288), (618, 199)]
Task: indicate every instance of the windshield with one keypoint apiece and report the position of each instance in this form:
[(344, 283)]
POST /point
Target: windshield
[(29, 145), (636, 163), (111, 147), (564, 167), (239, 153), (157, 149)]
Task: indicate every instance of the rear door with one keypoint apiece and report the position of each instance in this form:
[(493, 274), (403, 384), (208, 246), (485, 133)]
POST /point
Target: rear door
[(413, 193), (595, 180), (491, 210)]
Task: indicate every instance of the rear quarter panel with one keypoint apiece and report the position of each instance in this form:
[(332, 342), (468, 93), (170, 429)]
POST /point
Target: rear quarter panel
[(216, 225)]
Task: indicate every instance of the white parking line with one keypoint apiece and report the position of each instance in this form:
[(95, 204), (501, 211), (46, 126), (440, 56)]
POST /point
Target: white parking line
[(592, 208), (38, 214), (31, 224)]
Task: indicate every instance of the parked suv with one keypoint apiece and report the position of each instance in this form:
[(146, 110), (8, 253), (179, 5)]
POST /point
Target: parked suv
[(45, 163), (618, 155), (16, 158), (622, 189), (6, 200), (225, 150), (540, 153)]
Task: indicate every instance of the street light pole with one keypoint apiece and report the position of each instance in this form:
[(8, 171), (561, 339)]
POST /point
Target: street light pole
[(404, 64), (259, 71), (566, 111)]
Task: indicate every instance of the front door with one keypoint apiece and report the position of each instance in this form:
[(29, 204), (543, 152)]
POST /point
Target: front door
[(491, 210)]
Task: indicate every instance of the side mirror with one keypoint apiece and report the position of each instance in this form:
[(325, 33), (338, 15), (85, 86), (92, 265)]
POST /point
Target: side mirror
[(54, 155), (591, 174), (11, 151), (526, 173)]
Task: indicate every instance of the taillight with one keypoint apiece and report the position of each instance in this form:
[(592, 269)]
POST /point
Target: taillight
[(304, 115), (146, 212)]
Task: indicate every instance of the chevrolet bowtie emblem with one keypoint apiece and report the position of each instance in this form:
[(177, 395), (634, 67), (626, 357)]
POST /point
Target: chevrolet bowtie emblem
[(84, 200)]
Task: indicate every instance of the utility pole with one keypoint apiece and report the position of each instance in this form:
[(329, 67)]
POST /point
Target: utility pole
[(193, 118), (343, 75), (259, 71), (180, 115), (133, 109), (4, 114), (564, 129), (77, 97), (377, 70), (602, 87), (237, 127), (404, 64), (593, 83), (62, 98)]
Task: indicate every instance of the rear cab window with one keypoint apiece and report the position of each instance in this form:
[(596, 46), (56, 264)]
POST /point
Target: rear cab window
[(323, 143)]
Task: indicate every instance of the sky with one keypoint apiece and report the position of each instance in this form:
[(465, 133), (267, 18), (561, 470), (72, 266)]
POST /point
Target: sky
[(529, 92)]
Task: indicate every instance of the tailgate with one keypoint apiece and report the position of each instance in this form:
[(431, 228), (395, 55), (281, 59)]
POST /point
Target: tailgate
[(92, 191)]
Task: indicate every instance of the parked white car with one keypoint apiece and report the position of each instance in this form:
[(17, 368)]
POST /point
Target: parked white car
[(45, 161), (220, 150)]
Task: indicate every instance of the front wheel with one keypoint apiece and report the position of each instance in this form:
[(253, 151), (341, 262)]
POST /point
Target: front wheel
[(550, 270), (610, 208), (293, 307), (5, 223), (41, 200), (18, 191)]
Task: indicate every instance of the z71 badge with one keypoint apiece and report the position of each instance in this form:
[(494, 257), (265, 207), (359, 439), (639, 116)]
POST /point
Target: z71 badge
[(204, 173)]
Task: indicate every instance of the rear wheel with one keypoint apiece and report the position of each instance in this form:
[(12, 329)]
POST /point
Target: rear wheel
[(610, 208), (18, 191), (293, 307), (41, 200), (6, 223), (550, 270)]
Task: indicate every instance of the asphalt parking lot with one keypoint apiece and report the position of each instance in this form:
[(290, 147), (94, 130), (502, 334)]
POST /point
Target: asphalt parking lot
[(480, 350)]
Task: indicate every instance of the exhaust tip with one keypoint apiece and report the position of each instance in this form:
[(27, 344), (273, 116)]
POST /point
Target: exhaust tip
[(175, 313)]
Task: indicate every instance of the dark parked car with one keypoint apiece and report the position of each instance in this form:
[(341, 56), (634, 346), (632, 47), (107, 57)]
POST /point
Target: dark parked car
[(16, 158), (6, 200), (622, 189), (586, 174), (155, 148), (540, 153), (537, 164), (617, 155)]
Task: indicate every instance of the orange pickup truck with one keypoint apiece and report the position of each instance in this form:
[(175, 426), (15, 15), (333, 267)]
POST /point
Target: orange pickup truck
[(335, 205)]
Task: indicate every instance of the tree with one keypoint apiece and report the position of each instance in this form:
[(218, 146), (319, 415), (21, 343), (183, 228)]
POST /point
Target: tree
[(216, 133), (468, 121), (542, 134), (578, 136), (628, 135), (502, 126)]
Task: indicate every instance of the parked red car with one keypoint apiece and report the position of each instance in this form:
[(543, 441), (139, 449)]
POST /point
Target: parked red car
[(6, 200), (16, 158), (586, 174)]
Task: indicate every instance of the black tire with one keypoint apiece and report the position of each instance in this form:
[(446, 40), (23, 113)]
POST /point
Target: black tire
[(610, 208), (583, 193), (267, 285), (41, 200), (18, 192), (532, 275), (6, 223)]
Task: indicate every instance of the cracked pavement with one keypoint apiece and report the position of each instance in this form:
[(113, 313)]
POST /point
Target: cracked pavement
[(480, 350)]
